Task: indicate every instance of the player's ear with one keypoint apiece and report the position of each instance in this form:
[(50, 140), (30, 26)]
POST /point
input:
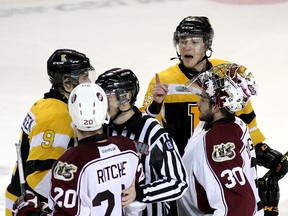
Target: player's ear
[(67, 85), (129, 96), (215, 108)]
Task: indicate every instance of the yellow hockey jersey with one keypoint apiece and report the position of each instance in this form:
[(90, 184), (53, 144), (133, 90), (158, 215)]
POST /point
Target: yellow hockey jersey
[(47, 131), (179, 114)]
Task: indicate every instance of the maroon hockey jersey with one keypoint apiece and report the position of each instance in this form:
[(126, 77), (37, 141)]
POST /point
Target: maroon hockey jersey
[(221, 164), (88, 179)]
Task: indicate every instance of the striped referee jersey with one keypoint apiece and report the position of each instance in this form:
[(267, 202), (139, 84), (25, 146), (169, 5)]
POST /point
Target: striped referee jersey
[(165, 175)]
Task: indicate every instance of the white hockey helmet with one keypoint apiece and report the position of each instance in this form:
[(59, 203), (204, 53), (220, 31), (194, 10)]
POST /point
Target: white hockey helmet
[(88, 106), (226, 85)]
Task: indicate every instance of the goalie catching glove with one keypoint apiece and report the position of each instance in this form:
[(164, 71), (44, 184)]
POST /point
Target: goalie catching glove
[(29, 204), (271, 159), (269, 195)]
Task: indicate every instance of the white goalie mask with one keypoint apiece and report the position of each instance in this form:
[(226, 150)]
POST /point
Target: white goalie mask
[(88, 107), (227, 85)]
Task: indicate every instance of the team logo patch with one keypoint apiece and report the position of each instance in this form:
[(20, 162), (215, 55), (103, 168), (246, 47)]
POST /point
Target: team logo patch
[(141, 147), (181, 89), (223, 152), (148, 100), (73, 98), (28, 122), (63, 58), (169, 145), (64, 171), (99, 96)]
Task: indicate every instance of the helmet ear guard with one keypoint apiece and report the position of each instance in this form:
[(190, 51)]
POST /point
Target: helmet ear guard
[(225, 86)]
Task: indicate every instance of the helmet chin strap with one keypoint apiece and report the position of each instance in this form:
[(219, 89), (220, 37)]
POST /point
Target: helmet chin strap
[(204, 57), (119, 113), (116, 116)]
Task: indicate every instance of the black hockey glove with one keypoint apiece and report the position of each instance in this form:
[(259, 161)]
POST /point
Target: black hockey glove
[(271, 159), (29, 205), (269, 195)]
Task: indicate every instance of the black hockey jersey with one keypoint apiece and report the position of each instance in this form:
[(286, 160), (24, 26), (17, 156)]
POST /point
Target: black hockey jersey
[(180, 115)]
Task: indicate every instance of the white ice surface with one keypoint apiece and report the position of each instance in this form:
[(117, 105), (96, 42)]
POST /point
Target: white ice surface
[(137, 34)]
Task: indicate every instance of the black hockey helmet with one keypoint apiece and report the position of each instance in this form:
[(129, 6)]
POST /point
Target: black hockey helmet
[(67, 62), (119, 81), (195, 25)]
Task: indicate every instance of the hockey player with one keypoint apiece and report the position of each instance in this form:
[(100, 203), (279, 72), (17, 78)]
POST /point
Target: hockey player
[(88, 179), (177, 109), (165, 176), (220, 158), (46, 130)]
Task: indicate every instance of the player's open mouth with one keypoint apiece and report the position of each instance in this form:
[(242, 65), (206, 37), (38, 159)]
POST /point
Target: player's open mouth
[(188, 57)]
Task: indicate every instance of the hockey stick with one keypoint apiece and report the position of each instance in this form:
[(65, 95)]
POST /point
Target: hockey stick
[(20, 168), (285, 156)]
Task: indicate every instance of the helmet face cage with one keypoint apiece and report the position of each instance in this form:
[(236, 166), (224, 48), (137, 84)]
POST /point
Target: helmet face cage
[(195, 26), (224, 92), (225, 86), (223, 70), (66, 63), (120, 82), (238, 74)]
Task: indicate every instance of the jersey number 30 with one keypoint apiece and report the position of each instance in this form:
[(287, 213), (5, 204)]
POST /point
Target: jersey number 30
[(233, 176)]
